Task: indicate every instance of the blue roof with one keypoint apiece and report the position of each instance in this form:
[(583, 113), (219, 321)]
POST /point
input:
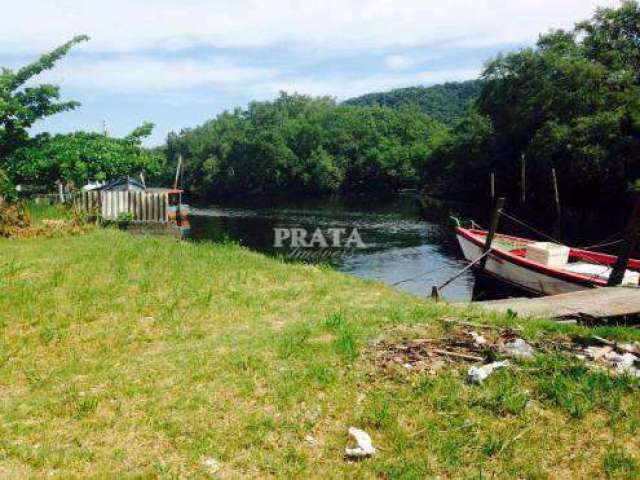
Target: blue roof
[(129, 181)]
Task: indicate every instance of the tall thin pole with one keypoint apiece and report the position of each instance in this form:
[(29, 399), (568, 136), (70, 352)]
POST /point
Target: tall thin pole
[(495, 217), (556, 193), (60, 191), (492, 187), (523, 178), (175, 182), (631, 235)]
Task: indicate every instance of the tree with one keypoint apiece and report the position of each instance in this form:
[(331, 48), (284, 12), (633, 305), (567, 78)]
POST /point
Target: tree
[(305, 145), (448, 102), (21, 106), (79, 157), (572, 103)]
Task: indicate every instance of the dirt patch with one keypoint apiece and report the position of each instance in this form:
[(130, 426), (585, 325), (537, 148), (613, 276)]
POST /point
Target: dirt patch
[(428, 355), (477, 344)]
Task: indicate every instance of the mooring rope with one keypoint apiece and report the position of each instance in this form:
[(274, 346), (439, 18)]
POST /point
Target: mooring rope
[(526, 225), (605, 243), (424, 274)]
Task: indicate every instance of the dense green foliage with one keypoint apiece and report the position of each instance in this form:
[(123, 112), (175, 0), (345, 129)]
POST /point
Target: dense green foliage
[(21, 106), (79, 157), (572, 103), (300, 144), (448, 102), (74, 158)]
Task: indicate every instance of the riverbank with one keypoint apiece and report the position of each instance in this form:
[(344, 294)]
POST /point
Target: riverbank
[(135, 356)]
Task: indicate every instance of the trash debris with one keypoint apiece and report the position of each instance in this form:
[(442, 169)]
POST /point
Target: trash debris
[(630, 347), (620, 358), (478, 339), (363, 440), (518, 348), (425, 355), (480, 374), (211, 465), (596, 353), (624, 363)]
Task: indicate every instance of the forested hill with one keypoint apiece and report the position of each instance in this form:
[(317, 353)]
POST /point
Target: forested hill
[(447, 102)]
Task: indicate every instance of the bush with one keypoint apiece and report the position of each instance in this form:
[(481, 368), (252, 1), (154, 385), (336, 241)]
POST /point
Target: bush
[(124, 219), (14, 219), (7, 188)]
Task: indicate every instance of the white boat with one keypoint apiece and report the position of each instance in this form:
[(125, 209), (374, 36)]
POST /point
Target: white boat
[(542, 268)]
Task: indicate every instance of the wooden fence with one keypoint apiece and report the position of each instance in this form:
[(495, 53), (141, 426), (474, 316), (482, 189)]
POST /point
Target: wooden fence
[(143, 206), (50, 198)]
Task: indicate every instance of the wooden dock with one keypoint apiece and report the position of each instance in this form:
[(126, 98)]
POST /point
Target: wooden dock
[(596, 303)]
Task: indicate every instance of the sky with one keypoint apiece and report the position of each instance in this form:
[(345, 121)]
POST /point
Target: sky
[(177, 63)]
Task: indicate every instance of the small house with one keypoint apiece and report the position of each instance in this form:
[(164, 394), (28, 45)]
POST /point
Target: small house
[(124, 184), (127, 196)]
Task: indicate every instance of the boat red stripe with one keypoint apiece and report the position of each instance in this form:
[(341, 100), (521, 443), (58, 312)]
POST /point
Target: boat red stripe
[(471, 235)]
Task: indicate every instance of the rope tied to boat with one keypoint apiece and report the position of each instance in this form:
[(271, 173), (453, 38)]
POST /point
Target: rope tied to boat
[(605, 243), (526, 225)]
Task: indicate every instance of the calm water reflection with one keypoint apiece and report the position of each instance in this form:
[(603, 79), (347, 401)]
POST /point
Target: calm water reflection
[(408, 244), (401, 246)]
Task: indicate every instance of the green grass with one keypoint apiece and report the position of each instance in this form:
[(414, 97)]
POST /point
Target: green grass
[(42, 211), (135, 357)]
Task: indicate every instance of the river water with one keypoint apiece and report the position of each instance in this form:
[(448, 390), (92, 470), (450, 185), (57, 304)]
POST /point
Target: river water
[(399, 245), (406, 243)]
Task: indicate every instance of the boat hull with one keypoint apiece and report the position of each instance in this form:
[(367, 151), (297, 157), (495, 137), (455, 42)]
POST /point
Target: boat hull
[(534, 282)]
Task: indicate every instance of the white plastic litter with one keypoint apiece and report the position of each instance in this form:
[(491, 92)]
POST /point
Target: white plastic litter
[(596, 353), (478, 339), (624, 363), (363, 440), (211, 465), (630, 347), (518, 348), (480, 374)]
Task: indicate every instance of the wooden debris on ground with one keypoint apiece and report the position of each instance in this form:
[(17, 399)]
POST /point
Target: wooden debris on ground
[(465, 346), (430, 355)]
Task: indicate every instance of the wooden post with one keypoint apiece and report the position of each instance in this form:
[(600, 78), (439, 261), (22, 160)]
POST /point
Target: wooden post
[(61, 192), (556, 193), (435, 295), (523, 179), (175, 183), (631, 234), (495, 217), (492, 187)]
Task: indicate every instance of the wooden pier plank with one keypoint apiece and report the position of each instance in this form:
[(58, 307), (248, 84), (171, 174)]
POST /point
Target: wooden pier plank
[(598, 303)]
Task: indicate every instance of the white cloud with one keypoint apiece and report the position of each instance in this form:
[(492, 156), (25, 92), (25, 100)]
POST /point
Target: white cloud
[(400, 62), (143, 47), (130, 30), (329, 25), (171, 81), (344, 86), (139, 74)]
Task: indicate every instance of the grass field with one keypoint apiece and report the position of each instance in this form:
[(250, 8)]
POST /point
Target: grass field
[(136, 357)]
